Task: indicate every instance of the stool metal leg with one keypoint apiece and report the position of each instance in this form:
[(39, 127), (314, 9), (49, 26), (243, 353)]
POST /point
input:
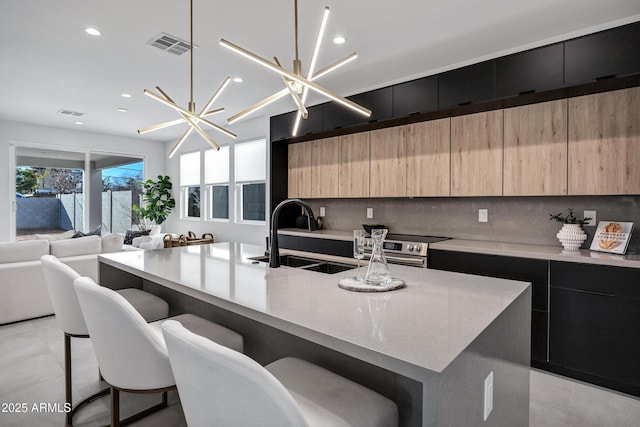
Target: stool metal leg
[(68, 383)]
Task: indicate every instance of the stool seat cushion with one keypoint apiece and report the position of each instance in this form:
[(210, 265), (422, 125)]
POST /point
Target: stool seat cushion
[(216, 333), (326, 398), (151, 307)]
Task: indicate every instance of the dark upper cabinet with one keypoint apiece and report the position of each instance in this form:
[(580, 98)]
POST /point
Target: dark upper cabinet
[(378, 101), (614, 52), (281, 126), (313, 123), (534, 70), (416, 96), (468, 84)]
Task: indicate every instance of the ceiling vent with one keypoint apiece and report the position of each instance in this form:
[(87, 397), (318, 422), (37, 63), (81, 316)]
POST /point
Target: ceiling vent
[(71, 113), (170, 44)]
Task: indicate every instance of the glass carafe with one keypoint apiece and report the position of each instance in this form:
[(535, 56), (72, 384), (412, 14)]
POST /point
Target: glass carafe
[(378, 270)]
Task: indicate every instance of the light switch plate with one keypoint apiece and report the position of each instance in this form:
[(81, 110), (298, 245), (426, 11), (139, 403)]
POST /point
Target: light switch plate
[(592, 215), (483, 215), (369, 213), (321, 210)]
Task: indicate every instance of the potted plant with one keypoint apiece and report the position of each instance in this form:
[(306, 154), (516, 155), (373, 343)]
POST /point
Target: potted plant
[(157, 203), (571, 235)]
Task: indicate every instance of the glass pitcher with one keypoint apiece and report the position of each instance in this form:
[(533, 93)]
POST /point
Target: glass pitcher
[(378, 270)]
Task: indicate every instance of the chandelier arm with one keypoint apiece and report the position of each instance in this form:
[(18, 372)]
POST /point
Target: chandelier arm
[(182, 139), (187, 113), (216, 94), (316, 48), (339, 63), (258, 105), (175, 122), (313, 86)]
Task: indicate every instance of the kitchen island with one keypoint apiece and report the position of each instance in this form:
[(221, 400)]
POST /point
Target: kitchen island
[(429, 347)]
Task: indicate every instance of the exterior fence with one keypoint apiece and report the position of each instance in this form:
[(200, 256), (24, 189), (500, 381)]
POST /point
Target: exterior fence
[(66, 211)]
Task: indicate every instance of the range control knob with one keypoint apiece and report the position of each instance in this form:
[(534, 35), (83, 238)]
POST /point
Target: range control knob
[(410, 247), (418, 248)]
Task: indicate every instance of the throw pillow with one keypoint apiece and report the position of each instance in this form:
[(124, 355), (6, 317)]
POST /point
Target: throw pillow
[(96, 232)]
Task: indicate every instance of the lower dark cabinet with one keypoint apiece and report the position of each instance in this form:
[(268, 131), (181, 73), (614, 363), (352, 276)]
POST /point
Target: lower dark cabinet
[(594, 324), (523, 269), (319, 246)]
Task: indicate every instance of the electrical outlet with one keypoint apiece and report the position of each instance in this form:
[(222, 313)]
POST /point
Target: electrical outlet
[(483, 215), (488, 395), (592, 215), (369, 213), (322, 211)]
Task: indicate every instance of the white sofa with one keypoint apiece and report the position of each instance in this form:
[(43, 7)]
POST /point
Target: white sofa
[(23, 292)]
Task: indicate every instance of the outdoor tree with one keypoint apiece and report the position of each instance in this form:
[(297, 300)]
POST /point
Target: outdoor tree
[(63, 181), (26, 180)]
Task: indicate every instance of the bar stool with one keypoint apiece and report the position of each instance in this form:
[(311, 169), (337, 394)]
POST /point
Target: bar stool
[(59, 278), (131, 353), (218, 386)]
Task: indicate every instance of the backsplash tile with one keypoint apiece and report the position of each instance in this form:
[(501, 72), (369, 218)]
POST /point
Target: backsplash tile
[(511, 219)]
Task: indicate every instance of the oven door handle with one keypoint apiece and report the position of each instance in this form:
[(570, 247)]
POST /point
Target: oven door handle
[(420, 262)]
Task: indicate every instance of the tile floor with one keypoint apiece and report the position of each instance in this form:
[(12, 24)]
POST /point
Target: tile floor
[(31, 371)]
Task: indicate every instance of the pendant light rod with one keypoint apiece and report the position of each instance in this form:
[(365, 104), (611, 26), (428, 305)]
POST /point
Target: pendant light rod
[(191, 53), (295, 8)]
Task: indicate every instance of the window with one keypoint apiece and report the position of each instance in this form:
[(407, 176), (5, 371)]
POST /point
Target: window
[(216, 179), (250, 179), (190, 185)]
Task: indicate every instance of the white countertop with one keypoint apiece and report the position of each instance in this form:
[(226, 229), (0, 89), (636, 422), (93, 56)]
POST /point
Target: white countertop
[(553, 253), (424, 326)]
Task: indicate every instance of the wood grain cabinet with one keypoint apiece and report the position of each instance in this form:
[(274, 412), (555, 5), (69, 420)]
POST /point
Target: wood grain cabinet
[(354, 165), (429, 158), (388, 164), (299, 170), (476, 154), (325, 168), (535, 149), (604, 143)]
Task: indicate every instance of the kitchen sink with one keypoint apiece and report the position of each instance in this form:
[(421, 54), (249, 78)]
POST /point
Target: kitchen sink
[(288, 260), (329, 267), (319, 266)]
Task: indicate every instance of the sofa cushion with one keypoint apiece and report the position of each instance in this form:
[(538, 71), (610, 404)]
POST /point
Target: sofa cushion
[(53, 237), (111, 242), (30, 250), (79, 246)]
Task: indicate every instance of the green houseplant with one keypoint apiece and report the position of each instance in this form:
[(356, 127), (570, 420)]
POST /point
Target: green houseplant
[(157, 203)]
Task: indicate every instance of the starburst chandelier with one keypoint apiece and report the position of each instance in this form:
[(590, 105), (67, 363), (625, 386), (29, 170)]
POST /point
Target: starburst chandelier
[(295, 84), (189, 115)]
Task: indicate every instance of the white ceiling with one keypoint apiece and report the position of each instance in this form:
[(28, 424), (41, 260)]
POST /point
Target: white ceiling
[(49, 63)]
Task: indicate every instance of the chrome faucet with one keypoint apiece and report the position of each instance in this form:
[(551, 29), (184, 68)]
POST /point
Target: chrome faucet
[(274, 254)]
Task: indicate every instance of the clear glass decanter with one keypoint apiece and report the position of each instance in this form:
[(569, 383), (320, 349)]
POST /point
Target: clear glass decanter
[(378, 270)]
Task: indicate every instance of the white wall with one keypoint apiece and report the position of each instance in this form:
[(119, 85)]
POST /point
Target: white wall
[(246, 130), (24, 133)]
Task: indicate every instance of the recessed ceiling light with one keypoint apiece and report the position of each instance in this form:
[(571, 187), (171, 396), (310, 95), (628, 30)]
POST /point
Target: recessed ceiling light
[(237, 79), (339, 40), (122, 110), (79, 123), (92, 31), (125, 95)]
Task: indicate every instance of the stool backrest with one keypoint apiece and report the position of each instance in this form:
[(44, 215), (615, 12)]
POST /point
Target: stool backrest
[(59, 278), (131, 353), (220, 386)]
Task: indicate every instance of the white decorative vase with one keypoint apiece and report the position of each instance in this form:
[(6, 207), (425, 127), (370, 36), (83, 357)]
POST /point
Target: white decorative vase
[(571, 236)]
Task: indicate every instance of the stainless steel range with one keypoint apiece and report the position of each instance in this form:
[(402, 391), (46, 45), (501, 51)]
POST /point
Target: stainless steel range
[(405, 249)]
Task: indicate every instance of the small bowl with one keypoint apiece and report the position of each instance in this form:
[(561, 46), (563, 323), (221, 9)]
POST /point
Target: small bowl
[(369, 227)]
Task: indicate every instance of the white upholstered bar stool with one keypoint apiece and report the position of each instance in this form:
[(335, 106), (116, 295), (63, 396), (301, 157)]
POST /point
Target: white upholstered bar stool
[(131, 353), (59, 278), (222, 387)]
